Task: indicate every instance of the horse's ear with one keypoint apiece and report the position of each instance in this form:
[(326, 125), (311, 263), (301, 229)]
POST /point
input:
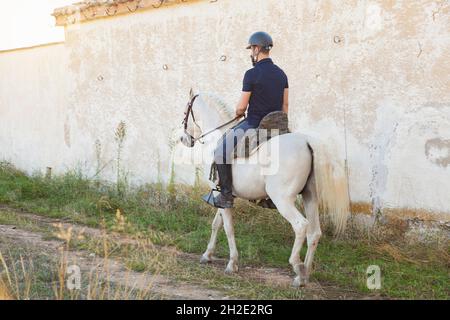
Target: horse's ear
[(191, 93)]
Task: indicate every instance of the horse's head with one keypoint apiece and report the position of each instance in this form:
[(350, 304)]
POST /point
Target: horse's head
[(192, 130)]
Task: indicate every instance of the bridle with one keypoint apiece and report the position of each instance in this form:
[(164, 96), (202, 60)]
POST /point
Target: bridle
[(190, 112)]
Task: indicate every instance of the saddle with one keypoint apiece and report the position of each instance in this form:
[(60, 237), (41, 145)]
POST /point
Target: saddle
[(274, 124)]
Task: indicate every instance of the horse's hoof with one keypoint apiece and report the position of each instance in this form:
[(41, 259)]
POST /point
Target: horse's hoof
[(205, 260), (303, 272), (299, 282), (231, 268)]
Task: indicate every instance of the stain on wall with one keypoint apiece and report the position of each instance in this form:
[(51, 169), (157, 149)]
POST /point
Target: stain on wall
[(438, 151)]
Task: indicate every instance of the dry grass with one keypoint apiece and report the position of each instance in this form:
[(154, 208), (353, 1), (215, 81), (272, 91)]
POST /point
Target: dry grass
[(103, 282), (4, 292), (102, 278), (395, 252), (15, 282)]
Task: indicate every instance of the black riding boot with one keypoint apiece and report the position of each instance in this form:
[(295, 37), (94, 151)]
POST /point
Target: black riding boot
[(225, 198)]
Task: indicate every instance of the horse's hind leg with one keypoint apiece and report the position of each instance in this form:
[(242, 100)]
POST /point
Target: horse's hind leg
[(216, 225), (313, 233), (286, 206)]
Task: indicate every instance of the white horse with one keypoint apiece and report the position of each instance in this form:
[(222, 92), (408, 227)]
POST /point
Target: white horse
[(322, 183)]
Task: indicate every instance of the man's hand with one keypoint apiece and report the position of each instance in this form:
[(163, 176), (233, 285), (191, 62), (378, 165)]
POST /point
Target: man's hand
[(240, 113)]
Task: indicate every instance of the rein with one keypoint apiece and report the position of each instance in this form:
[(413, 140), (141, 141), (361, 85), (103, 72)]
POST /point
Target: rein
[(189, 111)]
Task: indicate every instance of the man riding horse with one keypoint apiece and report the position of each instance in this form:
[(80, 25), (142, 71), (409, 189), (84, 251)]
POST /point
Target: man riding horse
[(297, 163), (265, 89)]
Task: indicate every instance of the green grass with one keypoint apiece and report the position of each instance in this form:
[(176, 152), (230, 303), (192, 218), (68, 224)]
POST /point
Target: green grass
[(176, 217)]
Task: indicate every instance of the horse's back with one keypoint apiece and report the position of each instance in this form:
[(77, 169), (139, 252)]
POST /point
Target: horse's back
[(289, 145)]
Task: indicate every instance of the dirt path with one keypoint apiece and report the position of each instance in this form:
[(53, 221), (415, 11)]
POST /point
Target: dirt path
[(111, 269), (161, 285)]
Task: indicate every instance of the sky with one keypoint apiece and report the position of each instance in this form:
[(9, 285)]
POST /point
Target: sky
[(25, 23)]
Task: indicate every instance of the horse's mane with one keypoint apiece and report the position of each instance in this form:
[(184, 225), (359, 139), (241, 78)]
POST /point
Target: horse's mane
[(216, 102)]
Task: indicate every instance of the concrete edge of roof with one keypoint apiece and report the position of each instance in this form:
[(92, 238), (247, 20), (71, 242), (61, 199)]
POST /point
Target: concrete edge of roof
[(96, 9)]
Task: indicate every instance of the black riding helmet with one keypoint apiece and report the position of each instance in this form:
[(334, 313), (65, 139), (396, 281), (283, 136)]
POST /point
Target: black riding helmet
[(261, 39)]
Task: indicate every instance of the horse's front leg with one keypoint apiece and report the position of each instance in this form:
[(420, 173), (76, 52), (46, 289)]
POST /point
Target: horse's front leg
[(227, 215), (216, 225)]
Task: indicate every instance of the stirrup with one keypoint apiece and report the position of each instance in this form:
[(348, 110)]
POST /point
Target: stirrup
[(210, 199)]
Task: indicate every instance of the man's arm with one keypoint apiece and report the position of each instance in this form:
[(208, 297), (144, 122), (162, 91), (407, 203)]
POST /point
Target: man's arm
[(243, 103), (286, 101)]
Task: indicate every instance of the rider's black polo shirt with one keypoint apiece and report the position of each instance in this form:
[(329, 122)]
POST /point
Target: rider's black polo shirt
[(266, 82)]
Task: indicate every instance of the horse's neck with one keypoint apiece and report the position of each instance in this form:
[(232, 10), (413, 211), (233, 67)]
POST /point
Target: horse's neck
[(212, 117)]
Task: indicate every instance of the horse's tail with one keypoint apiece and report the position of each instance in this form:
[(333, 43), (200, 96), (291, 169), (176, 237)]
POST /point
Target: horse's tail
[(331, 185)]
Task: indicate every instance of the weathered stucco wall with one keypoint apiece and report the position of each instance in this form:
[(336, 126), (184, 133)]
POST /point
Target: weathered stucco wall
[(32, 107), (372, 77)]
